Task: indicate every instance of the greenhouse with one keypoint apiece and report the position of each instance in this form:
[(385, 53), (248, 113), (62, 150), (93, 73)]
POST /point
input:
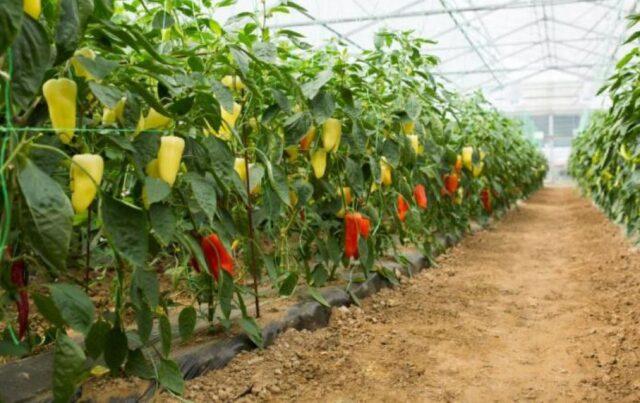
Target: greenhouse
[(319, 200)]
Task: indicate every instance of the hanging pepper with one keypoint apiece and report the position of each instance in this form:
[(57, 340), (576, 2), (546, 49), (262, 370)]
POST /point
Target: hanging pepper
[(241, 168), (415, 143), (86, 176), (477, 169), (467, 157), (228, 121), (216, 255), (458, 166), (485, 197), (351, 230), (451, 182), (459, 196), (319, 162), (153, 120), (331, 134), (305, 142), (18, 276), (111, 116), (420, 194), (169, 158), (402, 207), (364, 226), (61, 95), (77, 65), (233, 83), (32, 8), (292, 153), (385, 172), (407, 127)]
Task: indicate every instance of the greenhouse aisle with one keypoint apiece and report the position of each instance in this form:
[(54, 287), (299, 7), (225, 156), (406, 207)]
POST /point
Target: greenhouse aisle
[(542, 306)]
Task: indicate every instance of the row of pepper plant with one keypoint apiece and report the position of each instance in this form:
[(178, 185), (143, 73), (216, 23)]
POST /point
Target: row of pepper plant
[(144, 139), (605, 156)]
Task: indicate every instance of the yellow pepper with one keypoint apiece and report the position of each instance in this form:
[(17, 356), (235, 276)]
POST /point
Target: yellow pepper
[(33, 8), (233, 82), (331, 134), (61, 97), (241, 168), (86, 175), (319, 162), (415, 143), (467, 157), (407, 127), (78, 67), (477, 169), (292, 153), (169, 158), (348, 197), (293, 198), (111, 116), (385, 172), (228, 121), (153, 120), (152, 169)]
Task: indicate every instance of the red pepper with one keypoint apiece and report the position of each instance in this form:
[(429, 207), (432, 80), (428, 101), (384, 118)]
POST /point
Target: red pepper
[(351, 229), (194, 263), (485, 197), (216, 255), (402, 208), (364, 226), (420, 194), (451, 183)]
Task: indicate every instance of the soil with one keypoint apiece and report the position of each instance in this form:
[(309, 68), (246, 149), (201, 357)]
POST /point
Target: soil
[(543, 306)]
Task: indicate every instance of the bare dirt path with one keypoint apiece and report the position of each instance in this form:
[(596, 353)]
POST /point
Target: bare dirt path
[(542, 307)]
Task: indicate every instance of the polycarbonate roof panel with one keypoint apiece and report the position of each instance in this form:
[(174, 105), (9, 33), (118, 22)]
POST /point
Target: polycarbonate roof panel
[(526, 55)]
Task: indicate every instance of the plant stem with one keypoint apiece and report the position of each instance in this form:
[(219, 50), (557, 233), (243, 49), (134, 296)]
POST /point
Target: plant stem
[(87, 262), (254, 270)]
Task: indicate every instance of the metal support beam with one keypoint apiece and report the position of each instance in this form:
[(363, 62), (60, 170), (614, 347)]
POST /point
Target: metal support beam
[(520, 43), (411, 14), (522, 68)]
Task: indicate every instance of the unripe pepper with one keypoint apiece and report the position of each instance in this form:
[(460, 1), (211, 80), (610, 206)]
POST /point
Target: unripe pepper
[(292, 153), (331, 134), (319, 162), (61, 95), (153, 120), (467, 157), (86, 176), (216, 255), (169, 158), (233, 82), (77, 65), (111, 116), (351, 230), (33, 8), (385, 172), (308, 138), (451, 182), (420, 194), (402, 207), (228, 121)]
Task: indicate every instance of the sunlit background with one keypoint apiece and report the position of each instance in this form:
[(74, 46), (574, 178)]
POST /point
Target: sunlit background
[(540, 60)]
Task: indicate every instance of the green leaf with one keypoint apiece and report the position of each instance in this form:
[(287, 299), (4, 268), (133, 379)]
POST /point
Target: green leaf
[(162, 20), (96, 339), (311, 88), (31, 59), (115, 349), (68, 367), (144, 320), (126, 228), (250, 326), (10, 21), (106, 94), (223, 95), (265, 52), (48, 309), (170, 377), (157, 190), (225, 293), (73, 16), (145, 285), (163, 222), (187, 322), (288, 286), (138, 365), (165, 335), (318, 297), (323, 106), (296, 127), (74, 305), (98, 67), (204, 192)]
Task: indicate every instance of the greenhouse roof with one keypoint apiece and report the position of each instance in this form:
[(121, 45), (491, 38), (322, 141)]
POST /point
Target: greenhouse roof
[(537, 56)]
